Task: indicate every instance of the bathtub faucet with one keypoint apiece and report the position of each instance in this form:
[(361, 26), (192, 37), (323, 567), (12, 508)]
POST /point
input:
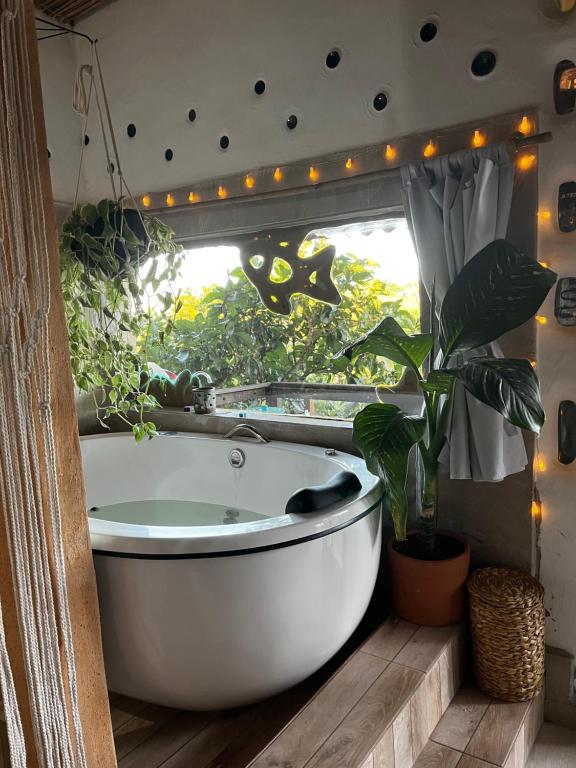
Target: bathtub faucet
[(199, 375)]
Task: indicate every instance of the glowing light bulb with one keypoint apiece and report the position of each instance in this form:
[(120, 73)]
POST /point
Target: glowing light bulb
[(478, 139), (222, 192), (390, 153), (540, 464), (278, 175), (249, 182), (541, 319), (544, 215), (430, 149), (193, 197), (533, 363), (525, 125), (170, 201), (536, 510), (349, 164), (284, 244), (526, 162), (313, 174), (146, 201), (545, 264)]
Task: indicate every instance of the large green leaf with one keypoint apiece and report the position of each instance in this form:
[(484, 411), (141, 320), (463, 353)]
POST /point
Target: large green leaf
[(386, 435), (438, 382), (507, 385), (389, 340), (499, 289)]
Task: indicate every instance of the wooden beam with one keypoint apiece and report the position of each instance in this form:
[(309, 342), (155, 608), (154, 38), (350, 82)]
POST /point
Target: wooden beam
[(83, 603)]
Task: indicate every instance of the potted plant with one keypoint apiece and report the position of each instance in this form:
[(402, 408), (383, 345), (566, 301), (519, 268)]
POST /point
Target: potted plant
[(496, 291), (107, 300)]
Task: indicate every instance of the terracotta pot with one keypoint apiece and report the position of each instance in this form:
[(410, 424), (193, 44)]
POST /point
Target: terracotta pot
[(430, 592)]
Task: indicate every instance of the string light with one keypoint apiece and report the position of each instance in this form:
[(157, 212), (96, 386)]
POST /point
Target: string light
[(278, 175), (170, 200), (313, 174), (222, 192), (536, 510), (478, 139), (541, 319), (249, 182), (193, 197), (526, 162), (146, 201), (525, 125), (284, 244), (349, 164), (430, 149), (544, 215), (540, 464), (390, 153), (545, 264)]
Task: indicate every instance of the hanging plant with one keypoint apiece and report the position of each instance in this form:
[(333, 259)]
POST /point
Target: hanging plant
[(109, 302), (113, 238)]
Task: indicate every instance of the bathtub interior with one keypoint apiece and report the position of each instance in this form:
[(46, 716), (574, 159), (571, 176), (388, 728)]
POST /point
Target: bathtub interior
[(179, 480)]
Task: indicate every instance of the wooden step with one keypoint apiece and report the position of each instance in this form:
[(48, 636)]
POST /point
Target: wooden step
[(479, 732), (380, 708)]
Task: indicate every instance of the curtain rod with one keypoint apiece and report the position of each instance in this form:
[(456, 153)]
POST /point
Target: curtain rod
[(520, 142)]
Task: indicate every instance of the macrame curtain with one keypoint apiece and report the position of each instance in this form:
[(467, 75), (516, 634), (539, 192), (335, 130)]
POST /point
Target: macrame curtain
[(456, 205), (29, 498)]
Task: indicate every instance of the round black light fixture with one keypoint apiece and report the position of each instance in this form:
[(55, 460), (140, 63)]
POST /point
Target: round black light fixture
[(428, 32), (483, 63), (131, 130), (259, 87), (333, 59), (291, 122), (224, 142), (191, 115), (380, 101), (86, 139), (168, 155)]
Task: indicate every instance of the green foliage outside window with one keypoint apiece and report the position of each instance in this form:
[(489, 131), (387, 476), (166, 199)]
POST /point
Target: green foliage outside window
[(225, 330)]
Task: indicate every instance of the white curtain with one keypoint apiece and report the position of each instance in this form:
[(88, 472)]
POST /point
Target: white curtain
[(456, 205)]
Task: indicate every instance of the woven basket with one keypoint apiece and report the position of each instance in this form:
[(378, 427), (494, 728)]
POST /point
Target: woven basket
[(507, 614)]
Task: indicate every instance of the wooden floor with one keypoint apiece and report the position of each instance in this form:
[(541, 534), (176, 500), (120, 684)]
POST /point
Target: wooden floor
[(148, 736), (555, 747)]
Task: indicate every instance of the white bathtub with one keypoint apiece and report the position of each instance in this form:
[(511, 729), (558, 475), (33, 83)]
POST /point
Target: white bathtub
[(216, 616)]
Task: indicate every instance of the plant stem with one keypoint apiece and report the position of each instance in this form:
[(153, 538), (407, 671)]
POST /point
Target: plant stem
[(428, 508)]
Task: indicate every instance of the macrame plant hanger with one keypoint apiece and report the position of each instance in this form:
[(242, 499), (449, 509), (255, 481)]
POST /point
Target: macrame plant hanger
[(29, 494)]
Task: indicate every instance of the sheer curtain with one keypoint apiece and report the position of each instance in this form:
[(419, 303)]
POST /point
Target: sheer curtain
[(456, 205)]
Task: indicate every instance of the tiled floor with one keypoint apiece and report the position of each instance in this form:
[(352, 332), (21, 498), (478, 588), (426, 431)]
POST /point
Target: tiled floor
[(376, 711), (555, 748), (485, 732)]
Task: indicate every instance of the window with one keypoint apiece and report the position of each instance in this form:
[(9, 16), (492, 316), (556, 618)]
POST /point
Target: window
[(222, 327)]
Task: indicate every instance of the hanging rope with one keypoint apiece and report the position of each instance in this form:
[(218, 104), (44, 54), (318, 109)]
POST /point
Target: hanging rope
[(29, 494)]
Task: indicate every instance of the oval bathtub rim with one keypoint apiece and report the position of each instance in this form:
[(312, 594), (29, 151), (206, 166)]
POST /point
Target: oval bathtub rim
[(162, 542)]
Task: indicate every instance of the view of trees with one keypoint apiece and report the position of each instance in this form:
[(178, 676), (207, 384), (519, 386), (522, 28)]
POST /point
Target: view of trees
[(226, 330)]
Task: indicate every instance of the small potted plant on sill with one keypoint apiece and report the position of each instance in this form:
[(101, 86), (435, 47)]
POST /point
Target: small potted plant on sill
[(496, 291)]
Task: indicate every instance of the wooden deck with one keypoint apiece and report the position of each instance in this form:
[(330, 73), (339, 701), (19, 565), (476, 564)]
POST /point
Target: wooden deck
[(148, 736)]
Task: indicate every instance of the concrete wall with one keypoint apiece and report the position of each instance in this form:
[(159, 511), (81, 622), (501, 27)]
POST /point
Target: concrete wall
[(161, 59), (64, 126)]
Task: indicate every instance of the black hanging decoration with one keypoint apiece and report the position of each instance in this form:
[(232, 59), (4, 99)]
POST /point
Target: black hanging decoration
[(311, 276)]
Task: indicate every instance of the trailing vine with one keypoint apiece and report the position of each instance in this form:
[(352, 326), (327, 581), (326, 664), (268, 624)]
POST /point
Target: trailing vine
[(113, 276)]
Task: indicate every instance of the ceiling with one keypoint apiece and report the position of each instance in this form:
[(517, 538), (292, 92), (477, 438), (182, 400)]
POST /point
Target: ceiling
[(69, 11)]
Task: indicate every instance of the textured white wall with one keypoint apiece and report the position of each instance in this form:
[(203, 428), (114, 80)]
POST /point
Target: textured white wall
[(161, 59), (557, 370), (58, 64)]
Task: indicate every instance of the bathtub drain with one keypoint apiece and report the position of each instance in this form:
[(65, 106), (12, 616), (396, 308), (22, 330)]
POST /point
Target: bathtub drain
[(236, 458)]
